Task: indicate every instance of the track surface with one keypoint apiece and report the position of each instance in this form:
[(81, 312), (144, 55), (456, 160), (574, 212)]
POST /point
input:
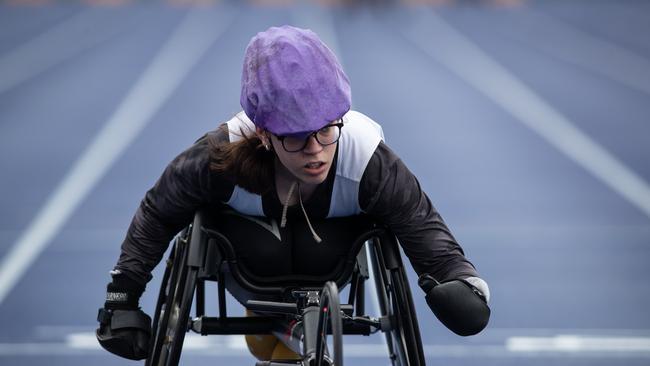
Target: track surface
[(526, 123)]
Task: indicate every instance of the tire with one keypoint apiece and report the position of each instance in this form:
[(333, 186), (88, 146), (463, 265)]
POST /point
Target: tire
[(396, 302), (329, 317), (179, 321), (154, 349), (165, 298), (173, 308)]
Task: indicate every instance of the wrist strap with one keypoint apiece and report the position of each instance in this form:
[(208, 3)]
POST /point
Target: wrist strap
[(120, 298), (104, 316)]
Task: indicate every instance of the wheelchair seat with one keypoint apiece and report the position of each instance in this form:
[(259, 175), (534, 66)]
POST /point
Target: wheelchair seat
[(263, 261)]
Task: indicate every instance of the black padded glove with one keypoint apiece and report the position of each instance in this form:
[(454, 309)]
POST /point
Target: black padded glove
[(458, 305), (124, 329)]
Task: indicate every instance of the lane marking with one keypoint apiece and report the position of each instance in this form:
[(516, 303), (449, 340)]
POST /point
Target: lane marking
[(54, 46), (518, 344), (84, 343), (575, 343), (580, 48), (186, 46), (443, 43)]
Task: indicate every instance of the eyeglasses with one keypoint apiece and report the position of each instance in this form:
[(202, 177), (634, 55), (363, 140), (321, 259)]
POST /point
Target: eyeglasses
[(325, 136)]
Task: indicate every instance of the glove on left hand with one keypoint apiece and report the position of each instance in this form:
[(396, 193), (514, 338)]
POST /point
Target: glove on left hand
[(458, 305)]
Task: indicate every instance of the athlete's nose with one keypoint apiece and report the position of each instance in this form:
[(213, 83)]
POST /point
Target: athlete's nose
[(313, 146)]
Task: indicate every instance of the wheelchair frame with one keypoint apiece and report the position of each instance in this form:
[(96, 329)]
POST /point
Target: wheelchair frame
[(202, 254)]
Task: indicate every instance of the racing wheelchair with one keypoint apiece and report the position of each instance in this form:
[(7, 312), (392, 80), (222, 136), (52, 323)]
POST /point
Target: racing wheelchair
[(302, 308)]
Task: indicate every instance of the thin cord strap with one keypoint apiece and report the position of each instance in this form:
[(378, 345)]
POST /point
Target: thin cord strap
[(313, 232), (283, 222)]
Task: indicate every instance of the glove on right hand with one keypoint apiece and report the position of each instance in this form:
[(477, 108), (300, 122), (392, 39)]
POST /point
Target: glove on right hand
[(125, 333), (457, 304)]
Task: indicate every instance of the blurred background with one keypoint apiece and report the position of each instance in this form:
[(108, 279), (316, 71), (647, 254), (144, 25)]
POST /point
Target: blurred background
[(527, 122)]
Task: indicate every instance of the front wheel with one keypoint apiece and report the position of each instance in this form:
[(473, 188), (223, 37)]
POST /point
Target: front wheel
[(173, 308), (396, 303), (329, 317)]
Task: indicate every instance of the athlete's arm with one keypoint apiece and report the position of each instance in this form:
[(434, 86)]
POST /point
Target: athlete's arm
[(185, 185), (392, 194)]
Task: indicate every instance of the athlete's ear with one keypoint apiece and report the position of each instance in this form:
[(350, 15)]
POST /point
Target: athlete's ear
[(262, 134)]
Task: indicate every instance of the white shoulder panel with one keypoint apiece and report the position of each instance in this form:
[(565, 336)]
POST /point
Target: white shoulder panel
[(359, 140), (238, 124), (245, 202), (241, 200)]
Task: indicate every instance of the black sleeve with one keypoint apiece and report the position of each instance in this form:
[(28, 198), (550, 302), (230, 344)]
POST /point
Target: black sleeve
[(392, 194), (186, 185)]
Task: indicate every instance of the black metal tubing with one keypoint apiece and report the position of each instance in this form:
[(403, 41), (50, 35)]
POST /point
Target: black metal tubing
[(222, 296), (272, 307), (197, 243), (206, 325), (390, 251), (341, 276), (212, 259), (310, 329), (290, 308), (235, 325), (354, 284)]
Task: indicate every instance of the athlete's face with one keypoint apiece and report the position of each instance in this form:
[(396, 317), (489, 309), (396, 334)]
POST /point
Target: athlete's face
[(309, 165)]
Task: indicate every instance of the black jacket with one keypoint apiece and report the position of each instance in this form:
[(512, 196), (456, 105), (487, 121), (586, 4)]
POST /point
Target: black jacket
[(388, 192)]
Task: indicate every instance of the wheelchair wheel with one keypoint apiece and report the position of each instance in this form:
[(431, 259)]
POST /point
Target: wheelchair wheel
[(329, 317), (173, 308), (396, 302)]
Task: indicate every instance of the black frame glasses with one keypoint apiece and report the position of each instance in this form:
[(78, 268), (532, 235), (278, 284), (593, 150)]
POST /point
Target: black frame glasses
[(339, 125)]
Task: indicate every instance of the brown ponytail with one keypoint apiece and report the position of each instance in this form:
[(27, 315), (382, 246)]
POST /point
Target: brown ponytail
[(247, 160)]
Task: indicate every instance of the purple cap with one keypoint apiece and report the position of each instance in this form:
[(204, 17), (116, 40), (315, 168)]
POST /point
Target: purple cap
[(292, 84)]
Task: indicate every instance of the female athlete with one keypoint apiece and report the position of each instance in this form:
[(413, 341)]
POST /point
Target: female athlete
[(296, 154)]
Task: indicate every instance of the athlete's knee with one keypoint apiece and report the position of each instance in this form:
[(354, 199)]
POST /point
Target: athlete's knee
[(260, 346)]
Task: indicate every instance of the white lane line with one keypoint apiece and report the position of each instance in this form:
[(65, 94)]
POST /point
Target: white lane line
[(57, 44), (235, 345), (446, 45), (575, 343), (518, 344), (190, 40), (580, 48)]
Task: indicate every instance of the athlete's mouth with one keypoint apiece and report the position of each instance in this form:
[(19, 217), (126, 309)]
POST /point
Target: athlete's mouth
[(314, 165)]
